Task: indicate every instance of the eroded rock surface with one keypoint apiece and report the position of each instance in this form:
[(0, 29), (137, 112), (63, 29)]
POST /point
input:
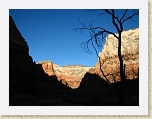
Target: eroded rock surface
[(109, 59), (47, 67), (69, 75), (72, 75)]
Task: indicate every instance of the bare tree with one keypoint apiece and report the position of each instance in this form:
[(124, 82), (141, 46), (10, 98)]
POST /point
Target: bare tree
[(98, 34)]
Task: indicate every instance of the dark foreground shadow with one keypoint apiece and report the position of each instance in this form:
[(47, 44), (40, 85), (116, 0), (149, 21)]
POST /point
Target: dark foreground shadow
[(48, 91)]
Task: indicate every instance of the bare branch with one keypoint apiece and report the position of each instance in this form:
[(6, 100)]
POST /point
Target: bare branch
[(135, 13), (102, 13), (100, 63), (113, 19), (112, 14), (97, 34), (123, 15), (85, 46)]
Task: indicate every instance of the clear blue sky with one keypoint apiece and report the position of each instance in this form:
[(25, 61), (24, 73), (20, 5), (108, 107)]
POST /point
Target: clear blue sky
[(51, 36)]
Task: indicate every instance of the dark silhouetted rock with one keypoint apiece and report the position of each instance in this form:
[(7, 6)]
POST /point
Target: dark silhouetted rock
[(21, 65), (28, 82), (93, 81)]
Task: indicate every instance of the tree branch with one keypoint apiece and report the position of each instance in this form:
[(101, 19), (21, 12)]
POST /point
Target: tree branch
[(123, 15), (136, 13)]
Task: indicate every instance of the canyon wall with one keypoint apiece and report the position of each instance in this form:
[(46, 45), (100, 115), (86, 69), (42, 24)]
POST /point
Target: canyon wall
[(20, 62), (28, 83), (72, 75), (69, 75), (109, 59)]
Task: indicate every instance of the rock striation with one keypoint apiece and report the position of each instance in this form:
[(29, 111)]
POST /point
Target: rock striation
[(47, 66), (109, 60), (70, 75)]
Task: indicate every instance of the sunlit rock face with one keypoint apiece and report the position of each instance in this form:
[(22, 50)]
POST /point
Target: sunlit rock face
[(70, 75), (47, 66), (109, 58)]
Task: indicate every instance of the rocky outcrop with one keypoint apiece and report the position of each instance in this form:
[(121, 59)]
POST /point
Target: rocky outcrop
[(47, 66), (18, 50), (28, 83), (73, 75), (69, 75), (20, 62), (21, 66), (109, 59)]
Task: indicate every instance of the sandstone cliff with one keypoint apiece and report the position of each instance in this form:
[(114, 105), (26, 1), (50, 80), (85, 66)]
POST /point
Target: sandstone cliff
[(47, 66), (72, 75), (109, 59), (69, 75)]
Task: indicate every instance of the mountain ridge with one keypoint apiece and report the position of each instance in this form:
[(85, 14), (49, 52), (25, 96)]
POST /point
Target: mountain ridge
[(109, 61)]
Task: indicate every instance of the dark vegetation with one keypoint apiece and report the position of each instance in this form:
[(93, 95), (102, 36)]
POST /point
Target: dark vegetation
[(30, 86)]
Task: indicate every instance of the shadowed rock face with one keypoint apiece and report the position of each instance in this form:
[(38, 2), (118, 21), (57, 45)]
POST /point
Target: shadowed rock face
[(28, 82), (19, 59), (109, 59), (21, 67)]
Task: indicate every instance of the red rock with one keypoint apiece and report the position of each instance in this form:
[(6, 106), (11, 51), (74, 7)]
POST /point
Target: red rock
[(72, 75), (47, 67), (68, 75), (109, 59)]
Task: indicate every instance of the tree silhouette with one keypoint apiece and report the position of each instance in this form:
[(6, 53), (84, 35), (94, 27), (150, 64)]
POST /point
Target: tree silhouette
[(98, 34)]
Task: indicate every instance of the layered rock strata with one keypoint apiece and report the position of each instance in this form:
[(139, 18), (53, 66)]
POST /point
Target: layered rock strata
[(69, 75), (72, 75), (109, 59), (47, 66)]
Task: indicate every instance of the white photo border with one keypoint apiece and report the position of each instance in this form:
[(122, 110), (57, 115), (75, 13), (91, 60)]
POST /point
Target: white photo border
[(142, 109)]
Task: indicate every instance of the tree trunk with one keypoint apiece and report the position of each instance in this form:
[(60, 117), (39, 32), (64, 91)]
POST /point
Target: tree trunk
[(121, 89), (124, 71), (138, 72)]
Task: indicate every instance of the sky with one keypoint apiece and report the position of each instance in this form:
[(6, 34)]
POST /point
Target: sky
[(50, 33)]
